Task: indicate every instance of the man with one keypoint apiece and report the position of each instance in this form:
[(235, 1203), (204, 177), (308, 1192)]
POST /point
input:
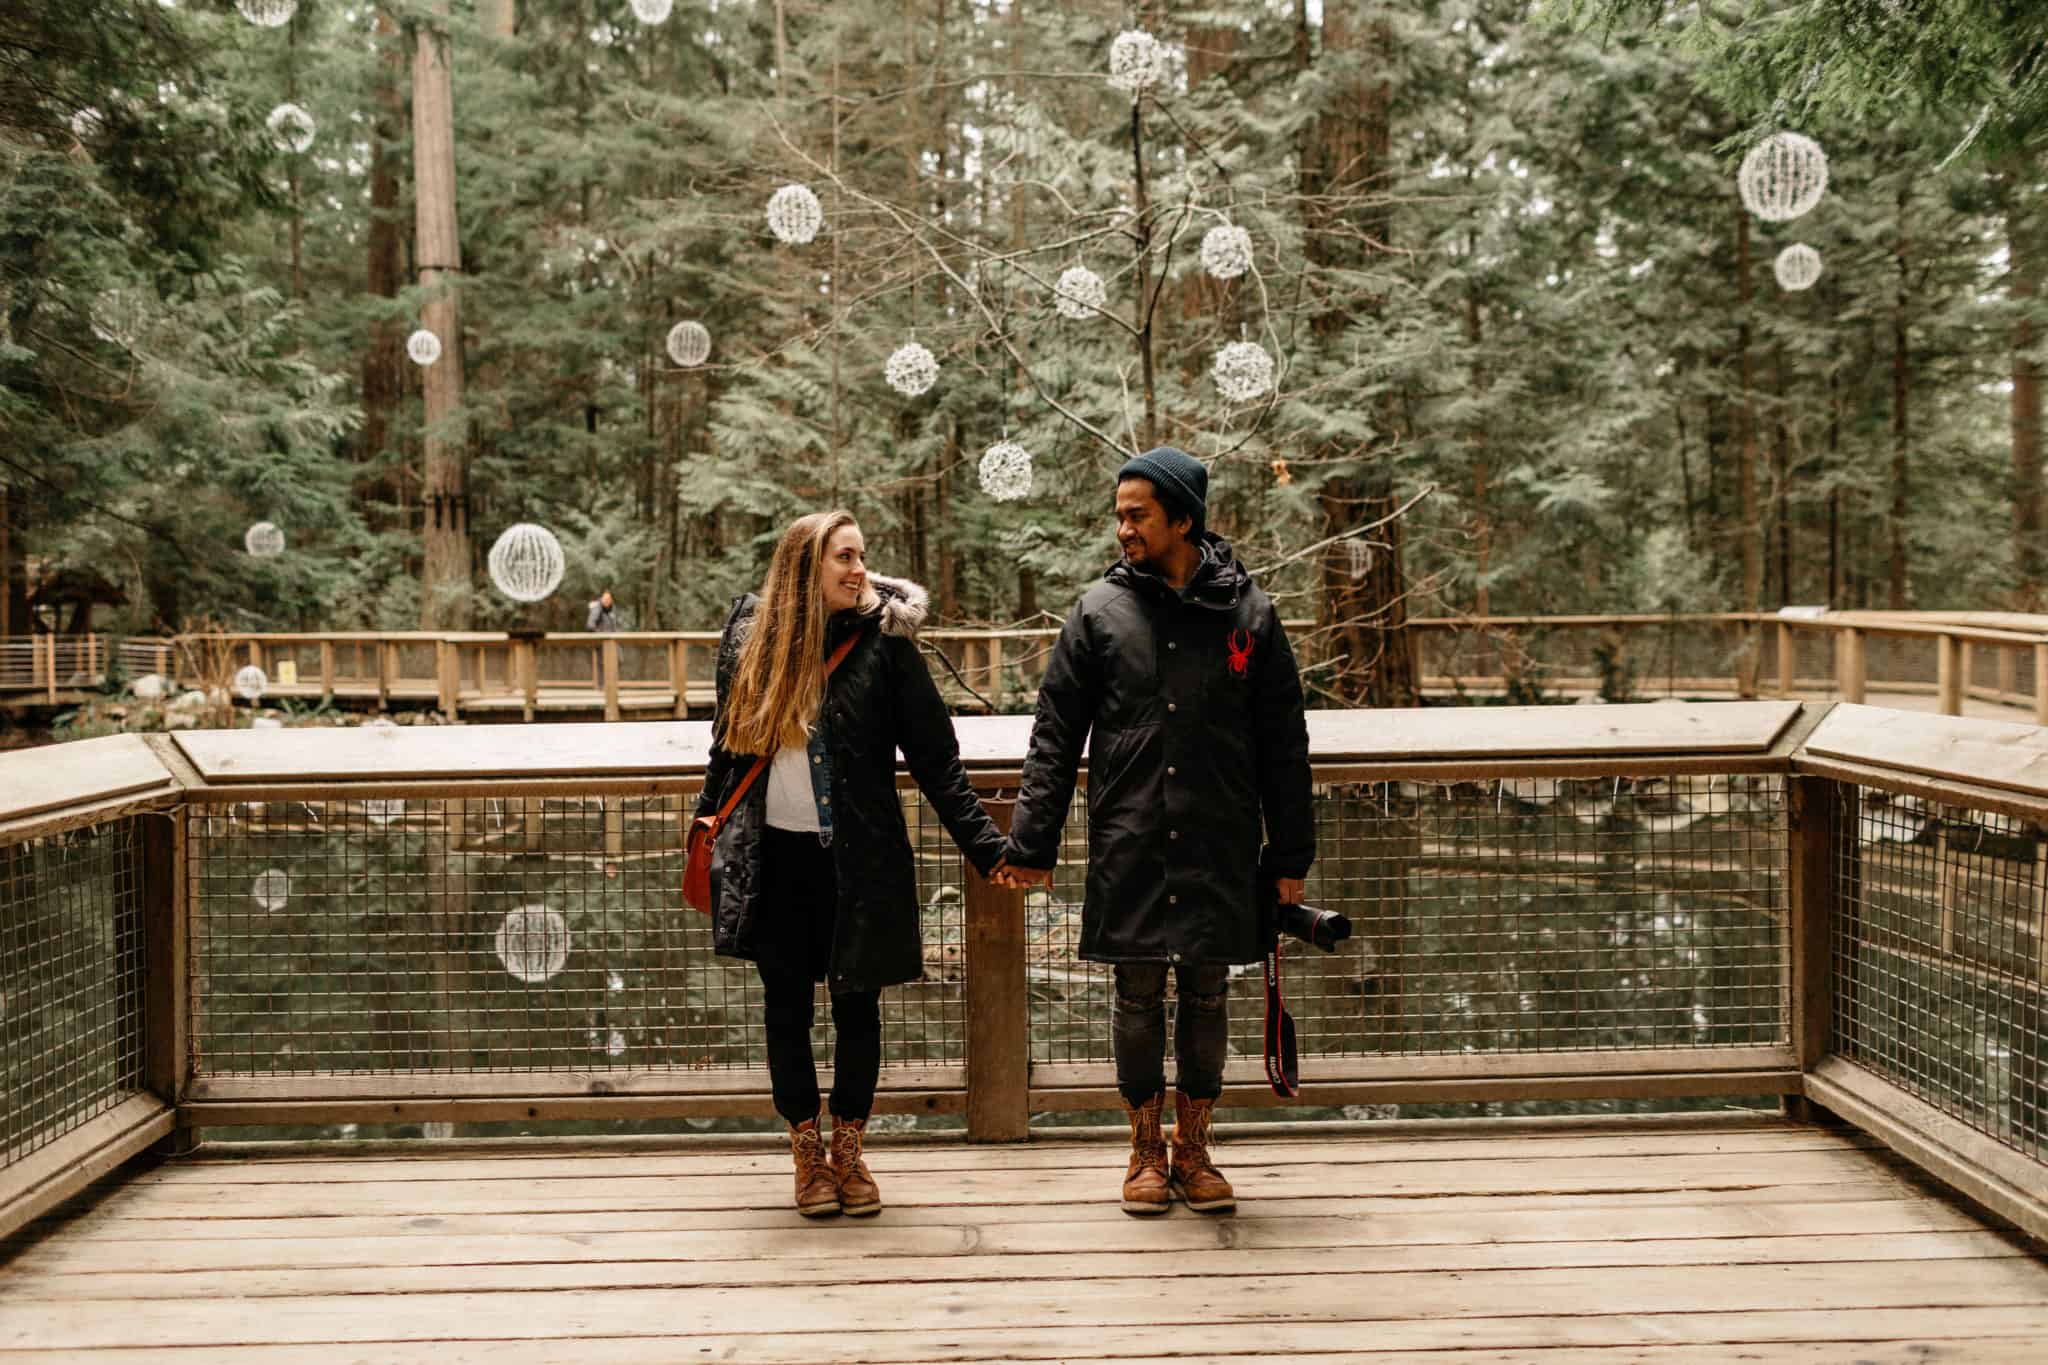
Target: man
[(1177, 664), (602, 617)]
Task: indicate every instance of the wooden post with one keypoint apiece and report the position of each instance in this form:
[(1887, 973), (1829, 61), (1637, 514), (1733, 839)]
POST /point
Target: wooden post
[(1849, 664), (679, 675), (1948, 675), (448, 677), (1821, 843), (609, 654), (1788, 661), (2041, 684), (995, 671), (327, 670), (1964, 677), (50, 666), (166, 1006), (527, 656), (385, 654), (163, 663), (998, 1005)]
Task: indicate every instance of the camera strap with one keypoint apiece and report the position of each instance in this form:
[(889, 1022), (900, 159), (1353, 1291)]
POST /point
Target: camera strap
[(1283, 1060)]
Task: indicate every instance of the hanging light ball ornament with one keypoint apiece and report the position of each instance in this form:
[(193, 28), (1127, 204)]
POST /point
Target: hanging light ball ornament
[(1243, 371), (1006, 471), (527, 562), (533, 943), (1226, 251), (689, 344), (653, 11), (291, 128), (794, 214), (271, 889), (424, 347), (1797, 267), (1136, 62), (268, 13), (911, 369), (1079, 294), (251, 683), (263, 541), (1783, 176)]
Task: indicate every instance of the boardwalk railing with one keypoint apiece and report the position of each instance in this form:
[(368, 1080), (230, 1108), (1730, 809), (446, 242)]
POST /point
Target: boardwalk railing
[(1840, 905), (1996, 658)]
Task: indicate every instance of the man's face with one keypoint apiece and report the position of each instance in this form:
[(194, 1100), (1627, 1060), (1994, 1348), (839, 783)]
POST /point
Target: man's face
[(1142, 527)]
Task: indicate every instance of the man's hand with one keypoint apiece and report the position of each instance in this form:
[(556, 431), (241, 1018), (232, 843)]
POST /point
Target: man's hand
[(1291, 889), (1019, 878)]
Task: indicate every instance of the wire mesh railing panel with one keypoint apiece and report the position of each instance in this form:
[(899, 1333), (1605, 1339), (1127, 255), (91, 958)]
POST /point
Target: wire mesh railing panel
[(71, 982), (1940, 978), (1529, 915), (384, 935), (1889, 660), (1620, 659)]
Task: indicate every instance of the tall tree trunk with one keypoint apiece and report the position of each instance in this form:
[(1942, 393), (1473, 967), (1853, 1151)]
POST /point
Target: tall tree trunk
[(1781, 473), (2024, 285), (1746, 526), (1346, 154), (1901, 427), (384, 355), (444, 589)]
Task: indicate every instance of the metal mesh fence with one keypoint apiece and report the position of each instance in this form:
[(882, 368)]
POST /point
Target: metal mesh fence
[(380, 935), (1527, 915), (71, 984), (1941, 976), (1620, 659)]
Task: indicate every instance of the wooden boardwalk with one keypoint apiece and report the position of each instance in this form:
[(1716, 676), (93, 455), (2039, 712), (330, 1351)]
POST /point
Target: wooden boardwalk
[(1681, 1240)]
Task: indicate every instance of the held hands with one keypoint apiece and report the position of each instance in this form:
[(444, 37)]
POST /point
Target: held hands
[(1018, 878), (1292, 890)]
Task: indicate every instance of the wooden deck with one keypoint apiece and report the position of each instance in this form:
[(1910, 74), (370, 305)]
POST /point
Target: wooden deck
[(1685, 1240)]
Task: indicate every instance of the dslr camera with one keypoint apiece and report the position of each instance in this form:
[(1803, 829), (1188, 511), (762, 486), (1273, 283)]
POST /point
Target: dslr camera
[(1324, 929)]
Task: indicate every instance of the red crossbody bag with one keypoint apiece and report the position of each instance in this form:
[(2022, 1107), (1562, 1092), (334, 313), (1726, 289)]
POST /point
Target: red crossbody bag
[(697, 850)]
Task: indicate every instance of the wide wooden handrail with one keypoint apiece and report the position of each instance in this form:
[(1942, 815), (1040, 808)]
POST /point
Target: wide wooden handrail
[(1825, 753)]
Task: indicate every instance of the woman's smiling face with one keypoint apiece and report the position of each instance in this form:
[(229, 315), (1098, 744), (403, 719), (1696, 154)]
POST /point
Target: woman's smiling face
[(844, 573)]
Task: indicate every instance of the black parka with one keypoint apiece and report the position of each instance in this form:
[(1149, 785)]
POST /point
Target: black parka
[(880, 699), (1196, 711)]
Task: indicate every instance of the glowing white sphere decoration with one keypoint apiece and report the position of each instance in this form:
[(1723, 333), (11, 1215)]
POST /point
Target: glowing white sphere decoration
[(533, 943), (527, 562), (1226, 251), (291, 128), (1006, 471), (263, 541), (268, 13), (1797, 267), (689, 344), (271, 889), (1136, 62), (424, 347), (1079, 294), (1242, 371), (794, 214), (911, 369), (1783, 176), (653, 11), (251, 683)]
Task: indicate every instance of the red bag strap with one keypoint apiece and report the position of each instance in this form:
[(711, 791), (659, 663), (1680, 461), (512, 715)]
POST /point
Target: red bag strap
[(838, 657)]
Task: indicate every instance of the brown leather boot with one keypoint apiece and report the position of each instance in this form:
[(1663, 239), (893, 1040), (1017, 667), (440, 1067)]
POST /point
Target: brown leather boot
[(1145, 1183), (858, 1193), (1194, 1177), (817, 1193)]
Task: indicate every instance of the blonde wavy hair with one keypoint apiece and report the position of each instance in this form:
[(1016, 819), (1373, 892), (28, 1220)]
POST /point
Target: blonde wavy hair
[(780, 680)]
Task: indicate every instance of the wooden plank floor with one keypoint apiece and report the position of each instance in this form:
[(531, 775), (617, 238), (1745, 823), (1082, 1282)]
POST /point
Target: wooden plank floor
[(1668, 1240)]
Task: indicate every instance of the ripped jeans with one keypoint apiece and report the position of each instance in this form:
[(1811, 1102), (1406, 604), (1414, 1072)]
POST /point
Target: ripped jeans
[(1201, 1029)]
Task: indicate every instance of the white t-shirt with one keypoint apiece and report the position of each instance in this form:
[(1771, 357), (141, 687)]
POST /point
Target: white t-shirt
[(791, 802)]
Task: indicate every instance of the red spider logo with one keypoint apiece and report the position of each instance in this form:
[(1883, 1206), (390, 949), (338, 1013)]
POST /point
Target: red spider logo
[(1240, 651)]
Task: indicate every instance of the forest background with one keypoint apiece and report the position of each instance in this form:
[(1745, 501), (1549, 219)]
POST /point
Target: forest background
[(1531, 354)]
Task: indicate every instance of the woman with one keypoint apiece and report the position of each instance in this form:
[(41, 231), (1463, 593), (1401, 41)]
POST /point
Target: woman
[(813, 872)]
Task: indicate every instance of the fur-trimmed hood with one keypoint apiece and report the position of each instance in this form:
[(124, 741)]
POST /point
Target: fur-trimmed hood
[(904, 605)]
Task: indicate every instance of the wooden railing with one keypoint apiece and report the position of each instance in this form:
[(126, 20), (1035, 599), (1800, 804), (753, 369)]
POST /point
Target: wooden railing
[(1843, 906), (1996, 659)]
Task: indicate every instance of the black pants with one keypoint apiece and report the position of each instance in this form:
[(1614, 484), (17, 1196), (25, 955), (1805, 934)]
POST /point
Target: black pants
[(1201, 1029), (799, 896)]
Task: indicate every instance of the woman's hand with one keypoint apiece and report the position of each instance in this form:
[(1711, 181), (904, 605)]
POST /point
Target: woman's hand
[(1018, 878)]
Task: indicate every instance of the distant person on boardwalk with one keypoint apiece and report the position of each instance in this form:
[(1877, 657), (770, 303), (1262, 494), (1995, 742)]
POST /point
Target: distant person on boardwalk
[(814, 879), (1177, 664), (602, 617)]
